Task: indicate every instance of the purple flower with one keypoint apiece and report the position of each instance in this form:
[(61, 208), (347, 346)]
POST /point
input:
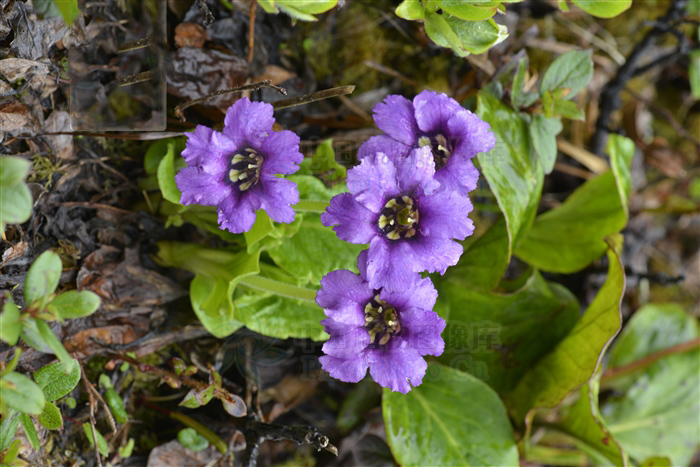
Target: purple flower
[(389, 332), (454, 135), (396, 205), (235, 170)]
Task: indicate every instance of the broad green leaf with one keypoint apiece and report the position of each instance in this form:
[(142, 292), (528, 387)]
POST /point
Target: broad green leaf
[(30, 430), (571, 236), (442, 34), (51, 417), (567, 109), (305, 9), (166, 176), (125, 451), (74, 304), (8, 428), (10, 324), (190, 401), (102, 445), (55, 382), (621, 151), (468, 11), (13, 170), (262, 227), (572, 70), (32, 337), (211, 302), (603, 8), (42, 279), (478, 36), (22, 394), (694, 73), (189, 438), (69, 10), (543, 132), (517, 88), (655, 410), (268, 6), (586, 426), (323, 164), (575, 358), (482, 325), (450, 419), (314, 251), (15, 204), (511, 168), (484, 260), (410, 10), (54, 344), (116, 405)]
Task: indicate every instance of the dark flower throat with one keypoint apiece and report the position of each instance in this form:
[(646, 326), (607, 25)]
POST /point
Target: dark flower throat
[(381, 321), (244, 169), (399, 218)]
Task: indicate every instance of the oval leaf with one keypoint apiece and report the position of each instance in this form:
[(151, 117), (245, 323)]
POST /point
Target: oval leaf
[(51, 417), (55, 382), (42, 278), (23, 394), (74, 304), (10, 325), (450, 419)]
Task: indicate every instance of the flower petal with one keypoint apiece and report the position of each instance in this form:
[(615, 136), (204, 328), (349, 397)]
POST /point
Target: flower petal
[(276, 197), (436, 254), (353, 222), (446, 215), (416, 173), (205, 146), (390, 264), (395, 116), (200, 187), (248, 122), (433, 110), (362, 264), (395, 364), (421, 328), (237, 213), (418, 293), (373, 181), (349, 370), (459, 175), (470, 134), (384, 144), (346, 340), (339, 290), (281, 153)]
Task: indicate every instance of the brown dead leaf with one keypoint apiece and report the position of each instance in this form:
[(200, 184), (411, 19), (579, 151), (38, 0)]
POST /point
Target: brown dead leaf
[(90, 341), (276, 75), (174, 454), (665, 159), (289, 393), (62, 145), (190, 35), (15, 68), (15, 116)]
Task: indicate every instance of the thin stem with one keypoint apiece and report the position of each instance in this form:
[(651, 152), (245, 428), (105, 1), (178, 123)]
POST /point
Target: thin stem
[(246, 87), (279, 288), (313, 97), (307, 205)]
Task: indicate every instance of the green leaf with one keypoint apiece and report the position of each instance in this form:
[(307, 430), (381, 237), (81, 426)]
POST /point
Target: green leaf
[(211, 302), (157, 151), (69, 10), (314, 251), (477, 36), (13, 170), (323, 163), (189, 438), (572, 70), (656, 461), (621, 151), (102, 445), (10, 324), (8, 428), (468, 11), (442, 34), (450, 419), (410, 10), (586, 426), (694, 73), (54, 344), (116, 405), (543, 132), (74, 304), (42, 279), (190, 401), (166, 176), (55, 382), (261, 229), (22, 394), (30, 430), (603, 8), (125, 451), (310, 6), (571, 236), (655, 410), (268, 6), (484, 260), (518, 86), (51, 417), (567, 109), (15, 204), (511, 168), (481, 323), (30, 335), (574, 359)]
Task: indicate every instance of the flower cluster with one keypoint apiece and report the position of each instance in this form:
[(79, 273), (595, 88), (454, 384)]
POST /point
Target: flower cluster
[(235, 170), (408, 200)]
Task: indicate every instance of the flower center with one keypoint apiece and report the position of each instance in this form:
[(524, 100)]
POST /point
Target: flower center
[(381, 320), (244, 169), (399, 218), (441, 148)]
